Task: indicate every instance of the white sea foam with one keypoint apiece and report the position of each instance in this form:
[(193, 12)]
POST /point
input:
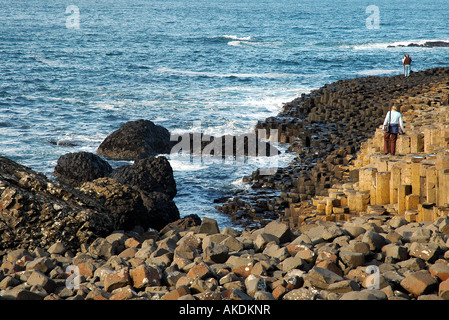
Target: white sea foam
[(48, 62), (235, 43), (88, 141), (66, 100), (239, 115), (255, 43), (161, 119), (107, 106), (114, 105), (185, 164), (237, 38), (227, 127), (271, 103), (240, 184)]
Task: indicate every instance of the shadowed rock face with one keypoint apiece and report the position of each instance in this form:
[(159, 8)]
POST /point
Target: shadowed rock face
[(131, 206), (149, 175), (35, 211)]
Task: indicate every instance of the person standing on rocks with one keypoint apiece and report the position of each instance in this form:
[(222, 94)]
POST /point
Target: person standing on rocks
[(395, 125), (406, 62)]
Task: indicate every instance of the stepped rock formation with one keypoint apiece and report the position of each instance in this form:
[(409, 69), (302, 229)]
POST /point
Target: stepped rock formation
[(326, 128), (413, 183)]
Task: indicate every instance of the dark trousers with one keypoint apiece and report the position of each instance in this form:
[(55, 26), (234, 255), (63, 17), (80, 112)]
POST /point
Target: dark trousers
[(390, 143)]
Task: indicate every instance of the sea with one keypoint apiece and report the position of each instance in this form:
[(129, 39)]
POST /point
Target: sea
[(72, 72)]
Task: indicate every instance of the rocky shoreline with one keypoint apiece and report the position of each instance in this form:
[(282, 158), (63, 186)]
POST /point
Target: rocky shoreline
[(104, 234), (427, 44)]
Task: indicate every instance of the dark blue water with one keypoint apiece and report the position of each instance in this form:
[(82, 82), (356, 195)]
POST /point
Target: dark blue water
[(221, 65)]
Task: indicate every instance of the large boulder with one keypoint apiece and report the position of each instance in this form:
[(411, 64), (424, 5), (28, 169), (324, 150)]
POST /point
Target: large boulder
[(136, 139), (139, 194), (153, 174), (79, 167)]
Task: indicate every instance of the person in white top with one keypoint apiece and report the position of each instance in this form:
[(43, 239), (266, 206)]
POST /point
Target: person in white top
[(393, 120)]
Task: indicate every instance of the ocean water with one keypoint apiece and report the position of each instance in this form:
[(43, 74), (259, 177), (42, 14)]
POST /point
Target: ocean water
[(74, 71)]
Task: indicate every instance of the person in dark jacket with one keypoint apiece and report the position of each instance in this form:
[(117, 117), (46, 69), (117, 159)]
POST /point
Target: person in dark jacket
[(406, 62)]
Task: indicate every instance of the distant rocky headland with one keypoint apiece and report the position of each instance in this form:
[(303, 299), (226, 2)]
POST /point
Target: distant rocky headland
[(427, 44), (341, 222)]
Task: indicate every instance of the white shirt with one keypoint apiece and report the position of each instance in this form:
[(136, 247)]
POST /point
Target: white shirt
[(396, 118)]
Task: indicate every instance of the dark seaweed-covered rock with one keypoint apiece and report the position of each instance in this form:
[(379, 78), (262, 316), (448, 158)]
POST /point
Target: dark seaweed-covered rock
[(132, 207), (153, 174), (79, 167), (162, 210), (136, 139)]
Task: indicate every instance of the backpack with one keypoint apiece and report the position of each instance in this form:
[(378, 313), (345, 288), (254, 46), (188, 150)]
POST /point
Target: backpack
[(407, 60)]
